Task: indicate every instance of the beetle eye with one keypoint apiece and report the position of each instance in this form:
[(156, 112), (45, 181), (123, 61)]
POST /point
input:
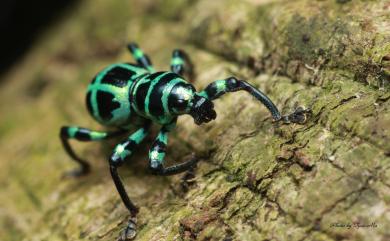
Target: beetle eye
[(181, 104)]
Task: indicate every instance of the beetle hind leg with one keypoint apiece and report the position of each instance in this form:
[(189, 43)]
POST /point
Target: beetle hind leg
[(82, 134)]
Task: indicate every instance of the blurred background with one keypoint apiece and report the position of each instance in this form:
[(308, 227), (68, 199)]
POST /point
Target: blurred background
[(22, 22)]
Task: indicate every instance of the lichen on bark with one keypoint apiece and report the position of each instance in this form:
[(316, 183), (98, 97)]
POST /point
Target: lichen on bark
[(257, 180)]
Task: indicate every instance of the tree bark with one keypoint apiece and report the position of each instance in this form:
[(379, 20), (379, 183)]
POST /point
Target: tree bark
[(257, 180)]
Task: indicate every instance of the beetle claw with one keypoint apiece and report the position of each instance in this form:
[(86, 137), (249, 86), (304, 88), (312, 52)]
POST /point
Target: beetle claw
[(130, 231), (299, 116)]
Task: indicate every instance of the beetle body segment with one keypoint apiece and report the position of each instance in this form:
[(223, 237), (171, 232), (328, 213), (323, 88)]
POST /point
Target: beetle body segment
[(107, 96), (122, 95), (154, 96)]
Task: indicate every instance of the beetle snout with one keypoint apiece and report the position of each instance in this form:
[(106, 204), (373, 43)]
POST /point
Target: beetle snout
[(203, 111)]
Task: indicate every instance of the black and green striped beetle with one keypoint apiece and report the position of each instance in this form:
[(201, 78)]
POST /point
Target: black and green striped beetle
[(127, 95)]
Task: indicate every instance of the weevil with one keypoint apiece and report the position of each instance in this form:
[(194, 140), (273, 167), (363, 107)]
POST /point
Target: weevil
[(126, 96)]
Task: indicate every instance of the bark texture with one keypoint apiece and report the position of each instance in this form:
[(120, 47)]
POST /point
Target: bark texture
[(257, 180)]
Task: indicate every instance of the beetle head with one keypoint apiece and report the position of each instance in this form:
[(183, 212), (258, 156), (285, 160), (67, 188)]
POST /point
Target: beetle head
[(183, 99), (180, 98)]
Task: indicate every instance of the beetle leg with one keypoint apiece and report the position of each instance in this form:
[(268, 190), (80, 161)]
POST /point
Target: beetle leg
[(123, 151), (181, 64), (141, 58), (220, 87), (82, 134), (157, 154)]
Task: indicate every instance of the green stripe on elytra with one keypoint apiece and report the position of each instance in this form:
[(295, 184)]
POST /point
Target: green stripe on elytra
[(116, 91), (93, 89)]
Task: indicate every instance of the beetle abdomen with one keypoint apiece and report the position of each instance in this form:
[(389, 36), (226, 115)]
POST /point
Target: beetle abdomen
[(108, 94)]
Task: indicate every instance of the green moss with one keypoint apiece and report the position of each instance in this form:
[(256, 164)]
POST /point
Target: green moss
[(307, 39), (257, 179)]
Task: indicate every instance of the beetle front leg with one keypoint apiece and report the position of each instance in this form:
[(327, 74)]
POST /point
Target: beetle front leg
[(121, 153), (220, 87), (157, 154)]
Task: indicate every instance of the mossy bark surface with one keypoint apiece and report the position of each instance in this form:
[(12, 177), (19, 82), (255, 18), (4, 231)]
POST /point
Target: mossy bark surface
[(257, 180)]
